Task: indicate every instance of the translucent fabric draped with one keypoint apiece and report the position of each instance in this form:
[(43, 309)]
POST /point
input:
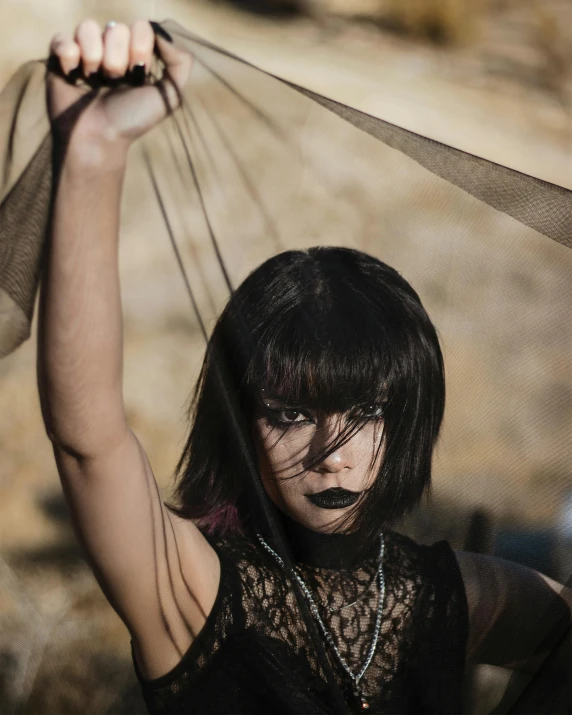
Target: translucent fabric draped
[(251, 165)]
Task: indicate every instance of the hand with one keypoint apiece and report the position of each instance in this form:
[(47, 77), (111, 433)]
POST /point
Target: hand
[(113, 117)]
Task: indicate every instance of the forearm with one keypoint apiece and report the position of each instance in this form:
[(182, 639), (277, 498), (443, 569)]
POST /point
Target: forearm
[(80, 332), (515, 613)]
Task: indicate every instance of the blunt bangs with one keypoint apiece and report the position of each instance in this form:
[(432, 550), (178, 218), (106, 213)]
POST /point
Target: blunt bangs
[(331, 329), (327, 361), (337, 337)]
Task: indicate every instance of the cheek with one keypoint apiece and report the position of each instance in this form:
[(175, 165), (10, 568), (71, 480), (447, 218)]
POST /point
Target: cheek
[(284, 453), (370, 449), (280, 453)]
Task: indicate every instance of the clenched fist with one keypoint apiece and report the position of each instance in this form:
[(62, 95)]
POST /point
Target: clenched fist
[(113, 116)]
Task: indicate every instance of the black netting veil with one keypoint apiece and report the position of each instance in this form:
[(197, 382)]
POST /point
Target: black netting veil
[(251, 165)]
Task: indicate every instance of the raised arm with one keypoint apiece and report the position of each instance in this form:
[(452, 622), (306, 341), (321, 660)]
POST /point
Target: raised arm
[(157, 571), (80, 334)]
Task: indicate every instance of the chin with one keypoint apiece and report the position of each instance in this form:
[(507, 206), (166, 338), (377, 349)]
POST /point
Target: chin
[(321, 520)]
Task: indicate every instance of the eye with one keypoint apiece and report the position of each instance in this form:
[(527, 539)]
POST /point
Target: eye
[(286, 416), (290, 416)]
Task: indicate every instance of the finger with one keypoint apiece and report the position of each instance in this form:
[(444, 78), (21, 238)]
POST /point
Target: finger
[(142, 44), (88, 37), (116, 41), (67, 51), (160, 98)]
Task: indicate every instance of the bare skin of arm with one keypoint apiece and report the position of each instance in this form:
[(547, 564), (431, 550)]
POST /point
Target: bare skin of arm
[(158, 572)]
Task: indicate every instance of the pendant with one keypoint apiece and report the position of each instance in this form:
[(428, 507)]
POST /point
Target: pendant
[(363, 703)]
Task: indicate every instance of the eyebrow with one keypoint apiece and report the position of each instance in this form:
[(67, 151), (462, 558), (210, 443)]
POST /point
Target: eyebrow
[(283, 401), (278, 398)]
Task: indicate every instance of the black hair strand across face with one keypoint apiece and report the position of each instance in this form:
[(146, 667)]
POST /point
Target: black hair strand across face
[(333, 329)]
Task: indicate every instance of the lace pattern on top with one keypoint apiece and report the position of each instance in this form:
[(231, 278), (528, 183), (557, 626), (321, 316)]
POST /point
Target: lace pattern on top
[(418, 663)]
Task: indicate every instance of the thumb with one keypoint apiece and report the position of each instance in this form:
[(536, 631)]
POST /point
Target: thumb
[(134, 111), (178, 65)]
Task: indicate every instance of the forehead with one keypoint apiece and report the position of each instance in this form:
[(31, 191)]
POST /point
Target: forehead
[(329, 376), (276, 399)]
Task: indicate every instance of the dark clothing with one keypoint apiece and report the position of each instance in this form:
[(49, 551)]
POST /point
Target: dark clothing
[(254, 656)]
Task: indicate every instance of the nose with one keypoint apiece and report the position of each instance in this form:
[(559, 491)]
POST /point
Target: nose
[(332, 462)]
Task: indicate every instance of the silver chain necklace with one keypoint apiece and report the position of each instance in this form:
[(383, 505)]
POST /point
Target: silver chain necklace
[(355, 677)]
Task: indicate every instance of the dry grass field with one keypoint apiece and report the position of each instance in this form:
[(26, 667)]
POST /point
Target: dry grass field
[(491, 77)]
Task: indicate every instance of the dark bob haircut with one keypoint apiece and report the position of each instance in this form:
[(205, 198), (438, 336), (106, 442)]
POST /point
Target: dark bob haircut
[(329, 328)]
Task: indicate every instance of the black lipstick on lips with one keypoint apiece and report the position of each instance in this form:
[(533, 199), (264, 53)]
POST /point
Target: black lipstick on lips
[(334, 498)]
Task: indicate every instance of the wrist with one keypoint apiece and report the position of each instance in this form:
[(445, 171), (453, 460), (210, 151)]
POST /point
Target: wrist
[(86, 154)]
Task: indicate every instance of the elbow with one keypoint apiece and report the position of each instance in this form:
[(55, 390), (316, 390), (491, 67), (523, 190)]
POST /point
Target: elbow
[(87, 437), (60, 446)]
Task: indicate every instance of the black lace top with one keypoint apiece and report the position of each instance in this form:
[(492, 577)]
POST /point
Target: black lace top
[(254, 655)]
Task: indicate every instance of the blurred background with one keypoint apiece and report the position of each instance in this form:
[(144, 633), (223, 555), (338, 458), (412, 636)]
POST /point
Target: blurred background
[(491, 77)]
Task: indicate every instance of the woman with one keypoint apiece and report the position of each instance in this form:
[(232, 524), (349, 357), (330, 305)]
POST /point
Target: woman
[(323, 375)]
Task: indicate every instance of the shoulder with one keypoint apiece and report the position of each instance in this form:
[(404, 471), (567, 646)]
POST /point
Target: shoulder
[(242, 554), (429, 574), (237, 546), (434, 560), (430, 571)]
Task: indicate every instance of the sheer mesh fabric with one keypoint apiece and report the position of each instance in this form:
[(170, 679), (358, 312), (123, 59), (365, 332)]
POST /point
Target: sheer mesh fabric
[(438, 214), (418, 665), (255, 103)]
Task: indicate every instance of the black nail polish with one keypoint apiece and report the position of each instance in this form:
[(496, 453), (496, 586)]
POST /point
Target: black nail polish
[(138, 74), (94, 80), (74, 75), (158, 30), (53, 65)]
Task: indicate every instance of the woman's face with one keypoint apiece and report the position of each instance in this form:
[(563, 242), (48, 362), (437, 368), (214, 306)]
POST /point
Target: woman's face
[(316, 493)]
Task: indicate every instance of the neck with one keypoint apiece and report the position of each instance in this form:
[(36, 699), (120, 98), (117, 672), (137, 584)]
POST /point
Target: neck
[(325, 550)]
